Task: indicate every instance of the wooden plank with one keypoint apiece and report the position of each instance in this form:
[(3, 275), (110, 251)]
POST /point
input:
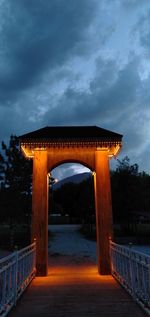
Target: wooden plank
[(75, 291)]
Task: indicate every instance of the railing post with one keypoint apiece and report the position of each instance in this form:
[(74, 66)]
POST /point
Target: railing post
[(16, 278), (110, 255), (34, 254), (130, 269), (133, 272), (13, 278)]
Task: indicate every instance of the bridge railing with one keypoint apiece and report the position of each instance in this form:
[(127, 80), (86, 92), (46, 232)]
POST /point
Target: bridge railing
[(132, 270), (16, 272)]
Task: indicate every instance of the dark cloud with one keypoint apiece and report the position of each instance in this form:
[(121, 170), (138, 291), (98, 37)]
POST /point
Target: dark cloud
[(13, 122), (133, 4), (114, 101), (71, 62), (37, 35), (143, 30), (112, 92)]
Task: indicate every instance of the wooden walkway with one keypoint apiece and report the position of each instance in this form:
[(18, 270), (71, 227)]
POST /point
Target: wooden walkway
[(75, 290)]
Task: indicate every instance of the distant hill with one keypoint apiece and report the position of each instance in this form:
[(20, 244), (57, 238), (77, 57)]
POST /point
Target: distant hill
[(77, 178)]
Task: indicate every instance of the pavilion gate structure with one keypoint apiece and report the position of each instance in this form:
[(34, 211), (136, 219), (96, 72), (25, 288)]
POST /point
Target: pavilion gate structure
[(90, 146)]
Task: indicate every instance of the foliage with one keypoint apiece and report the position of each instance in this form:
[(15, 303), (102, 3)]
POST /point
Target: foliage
[(16, 180), (76, 200), (130, 194)]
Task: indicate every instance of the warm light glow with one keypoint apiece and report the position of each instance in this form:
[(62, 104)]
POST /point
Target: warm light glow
[(118, 147), (28, 149), (55, 180), (27, 152), (102, 148), (73, 274), (114, 151)]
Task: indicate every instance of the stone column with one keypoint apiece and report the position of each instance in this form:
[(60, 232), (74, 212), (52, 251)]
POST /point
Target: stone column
[(103, 210), (40, 210)]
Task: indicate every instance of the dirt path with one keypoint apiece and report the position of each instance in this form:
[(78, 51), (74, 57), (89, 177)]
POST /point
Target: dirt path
[(67, 240)]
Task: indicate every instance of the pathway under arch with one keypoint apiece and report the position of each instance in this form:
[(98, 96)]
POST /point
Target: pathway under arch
[(89, 145)]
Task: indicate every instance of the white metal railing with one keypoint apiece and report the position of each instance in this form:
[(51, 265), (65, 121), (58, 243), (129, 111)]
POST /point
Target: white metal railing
[(132, 270), (16, 272)]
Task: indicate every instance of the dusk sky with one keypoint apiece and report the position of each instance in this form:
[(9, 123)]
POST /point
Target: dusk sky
[(77, 62)]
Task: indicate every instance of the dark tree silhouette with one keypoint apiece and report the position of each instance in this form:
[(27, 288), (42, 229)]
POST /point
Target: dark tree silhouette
[(130, 192), (16, 180), (76, 200)]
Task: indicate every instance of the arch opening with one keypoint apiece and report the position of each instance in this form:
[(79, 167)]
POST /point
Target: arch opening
[(72, 213), (73, 164), (71, 193), (69, 168)]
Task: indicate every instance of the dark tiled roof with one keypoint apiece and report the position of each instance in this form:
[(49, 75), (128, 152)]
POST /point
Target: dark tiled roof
[(71, 133)]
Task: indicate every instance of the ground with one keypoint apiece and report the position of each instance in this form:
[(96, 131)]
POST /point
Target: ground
[(67, 240)]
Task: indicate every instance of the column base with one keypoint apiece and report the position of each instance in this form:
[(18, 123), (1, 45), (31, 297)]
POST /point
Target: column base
[(41, 270)]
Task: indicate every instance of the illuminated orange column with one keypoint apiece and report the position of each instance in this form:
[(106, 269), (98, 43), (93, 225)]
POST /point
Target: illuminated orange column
[(103, 210), (40, 210)]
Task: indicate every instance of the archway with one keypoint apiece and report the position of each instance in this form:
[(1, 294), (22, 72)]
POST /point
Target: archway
[(92, 147), (71, 193), (71, 213)]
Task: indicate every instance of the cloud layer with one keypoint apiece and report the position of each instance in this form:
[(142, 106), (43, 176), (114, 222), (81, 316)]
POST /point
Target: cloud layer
[(75, 63)]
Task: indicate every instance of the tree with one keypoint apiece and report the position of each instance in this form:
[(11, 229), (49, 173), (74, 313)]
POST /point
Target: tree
[(129, 187), (16, 182), (76, 200)]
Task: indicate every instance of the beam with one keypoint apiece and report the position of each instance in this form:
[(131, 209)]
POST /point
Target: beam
[(103, 210), (40, 210)]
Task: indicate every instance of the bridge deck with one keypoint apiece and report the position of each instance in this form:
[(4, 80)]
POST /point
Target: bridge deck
[(72, 290)]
